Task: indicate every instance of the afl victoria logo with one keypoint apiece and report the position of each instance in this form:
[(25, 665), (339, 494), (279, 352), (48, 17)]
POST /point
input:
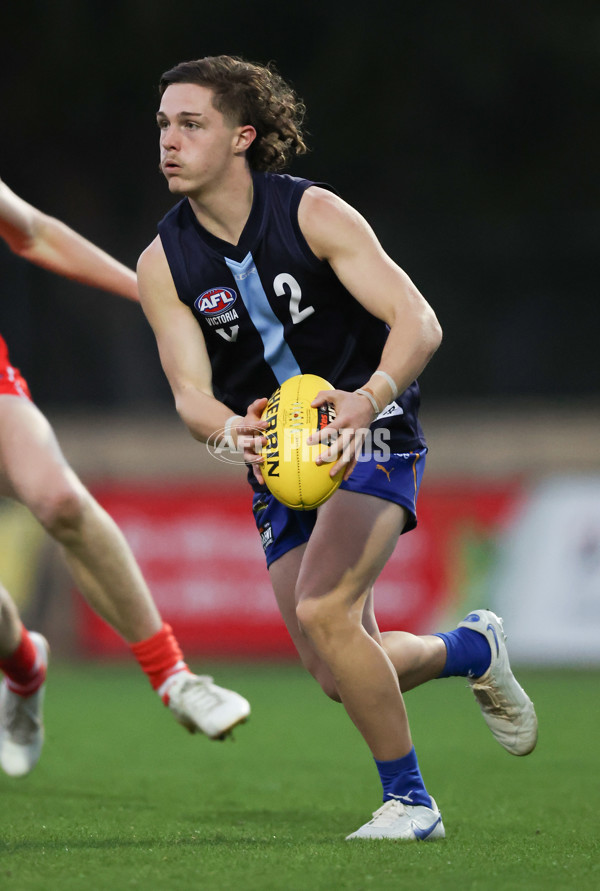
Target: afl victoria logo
[(215, 301)]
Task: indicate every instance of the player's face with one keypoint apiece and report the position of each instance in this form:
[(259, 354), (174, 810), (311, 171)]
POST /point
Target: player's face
[(197, 143)]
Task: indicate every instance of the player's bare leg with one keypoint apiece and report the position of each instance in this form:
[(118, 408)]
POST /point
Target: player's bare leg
[(346, 552), (335, 572), (284, 573), (416, 658)]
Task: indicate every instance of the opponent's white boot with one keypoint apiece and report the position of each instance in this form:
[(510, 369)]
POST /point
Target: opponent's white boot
[(200, 705), (21, 722)]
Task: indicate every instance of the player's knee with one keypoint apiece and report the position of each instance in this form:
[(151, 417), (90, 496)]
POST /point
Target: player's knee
[(318, 617), (309, 615)]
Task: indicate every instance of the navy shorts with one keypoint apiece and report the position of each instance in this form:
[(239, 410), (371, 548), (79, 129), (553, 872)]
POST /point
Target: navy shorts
[(396, 479)]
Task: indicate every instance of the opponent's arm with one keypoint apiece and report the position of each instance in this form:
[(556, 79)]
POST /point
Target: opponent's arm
[(47, 242), (182, 350), (338, 234)]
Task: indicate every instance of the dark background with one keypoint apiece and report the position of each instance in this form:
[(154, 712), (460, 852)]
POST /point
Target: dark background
[(466, 132)]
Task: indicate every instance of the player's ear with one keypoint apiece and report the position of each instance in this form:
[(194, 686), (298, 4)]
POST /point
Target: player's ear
[(244, 138)]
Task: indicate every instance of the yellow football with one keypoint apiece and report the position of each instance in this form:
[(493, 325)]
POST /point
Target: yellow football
[(289, 468)]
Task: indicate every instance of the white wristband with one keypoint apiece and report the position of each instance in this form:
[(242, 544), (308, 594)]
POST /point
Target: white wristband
[(371, 399), (391, 382), (227, 435)]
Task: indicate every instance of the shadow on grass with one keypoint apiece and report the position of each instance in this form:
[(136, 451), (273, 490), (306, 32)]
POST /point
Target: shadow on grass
[(235, 840), (222, 828)]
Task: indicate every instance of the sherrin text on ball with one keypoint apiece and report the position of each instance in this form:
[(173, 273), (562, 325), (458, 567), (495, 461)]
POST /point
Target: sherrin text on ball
[(289, 467)]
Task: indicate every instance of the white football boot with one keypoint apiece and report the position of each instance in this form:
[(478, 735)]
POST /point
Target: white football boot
[(403, 822), (21, 722), (202, 706), (507, 709)]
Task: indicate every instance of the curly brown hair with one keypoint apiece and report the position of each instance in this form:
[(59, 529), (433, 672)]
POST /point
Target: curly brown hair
[(249, 93)]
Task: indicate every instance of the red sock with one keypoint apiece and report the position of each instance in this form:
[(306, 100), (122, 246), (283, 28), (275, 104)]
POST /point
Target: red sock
[(160, 657), (24, 670)]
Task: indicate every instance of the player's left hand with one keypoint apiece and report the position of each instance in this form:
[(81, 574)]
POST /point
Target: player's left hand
[(346, 433), (251, 437)]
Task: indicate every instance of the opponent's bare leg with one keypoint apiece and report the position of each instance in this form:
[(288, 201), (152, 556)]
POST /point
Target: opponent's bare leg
[(35, 472), (10, 624)]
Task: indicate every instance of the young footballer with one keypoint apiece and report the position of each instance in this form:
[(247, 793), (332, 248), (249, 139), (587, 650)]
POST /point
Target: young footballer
[(308, 288)]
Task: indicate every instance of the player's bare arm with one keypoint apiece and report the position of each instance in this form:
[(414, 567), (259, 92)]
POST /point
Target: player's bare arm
[(49, 243), (182, 351), (337, 233)]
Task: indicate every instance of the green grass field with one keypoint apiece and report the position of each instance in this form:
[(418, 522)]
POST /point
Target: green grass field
[(125, 798)]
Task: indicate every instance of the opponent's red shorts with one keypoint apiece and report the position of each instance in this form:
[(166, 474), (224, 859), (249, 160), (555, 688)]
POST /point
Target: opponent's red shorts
[(11, 380)]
